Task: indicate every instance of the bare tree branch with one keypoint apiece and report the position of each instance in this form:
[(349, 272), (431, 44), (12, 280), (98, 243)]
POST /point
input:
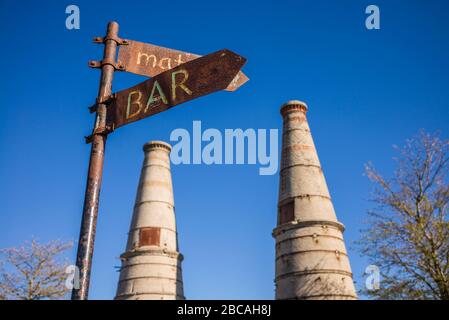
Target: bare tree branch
[(33, 271)]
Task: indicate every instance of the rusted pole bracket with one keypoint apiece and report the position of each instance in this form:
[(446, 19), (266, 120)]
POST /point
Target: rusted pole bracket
[(118, 66), (99, 64), (101, 131), (102, 100), (119, 41)]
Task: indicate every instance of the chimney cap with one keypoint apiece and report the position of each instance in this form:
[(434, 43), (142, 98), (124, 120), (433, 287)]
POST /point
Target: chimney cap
[(293, 105), (151, 145)]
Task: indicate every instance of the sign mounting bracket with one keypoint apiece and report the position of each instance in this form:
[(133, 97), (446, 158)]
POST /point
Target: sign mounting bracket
[(100, 131), (118, 66), (118, 40), (102, 100)]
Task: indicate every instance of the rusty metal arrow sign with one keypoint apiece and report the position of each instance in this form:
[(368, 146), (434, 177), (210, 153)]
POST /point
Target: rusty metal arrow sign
[(149, 60), (177, 77), (185, 82)]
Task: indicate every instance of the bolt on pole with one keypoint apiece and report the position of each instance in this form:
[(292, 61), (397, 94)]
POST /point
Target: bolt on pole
[(95, 172)]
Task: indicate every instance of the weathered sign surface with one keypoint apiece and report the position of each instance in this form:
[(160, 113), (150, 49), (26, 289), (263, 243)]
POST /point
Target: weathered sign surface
[(188, 81), (150, 60)]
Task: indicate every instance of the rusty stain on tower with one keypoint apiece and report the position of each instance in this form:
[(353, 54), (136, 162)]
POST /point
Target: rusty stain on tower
[(311, 258), (151, 265)]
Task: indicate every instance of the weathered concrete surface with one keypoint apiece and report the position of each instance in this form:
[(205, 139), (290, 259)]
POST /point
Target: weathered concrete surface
[(311, 258), (151, 265)]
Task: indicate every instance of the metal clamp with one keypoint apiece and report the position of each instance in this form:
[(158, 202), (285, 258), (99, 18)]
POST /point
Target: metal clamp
[(102, 100), (99, 131), (119, 41), (98, 64)]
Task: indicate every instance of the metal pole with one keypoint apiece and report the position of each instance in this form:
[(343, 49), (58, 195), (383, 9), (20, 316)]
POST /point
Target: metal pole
[(92, 195)]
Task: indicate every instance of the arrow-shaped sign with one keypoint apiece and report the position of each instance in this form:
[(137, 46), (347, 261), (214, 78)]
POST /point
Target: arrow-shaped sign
[(185, 82), (149, 60)]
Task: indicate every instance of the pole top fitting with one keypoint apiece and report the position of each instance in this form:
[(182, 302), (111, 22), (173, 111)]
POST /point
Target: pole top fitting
[(152, 145), (112, 28), (293, 105)]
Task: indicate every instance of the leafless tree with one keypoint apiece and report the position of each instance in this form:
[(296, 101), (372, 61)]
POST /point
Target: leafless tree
[(33, 271), (408, 231)]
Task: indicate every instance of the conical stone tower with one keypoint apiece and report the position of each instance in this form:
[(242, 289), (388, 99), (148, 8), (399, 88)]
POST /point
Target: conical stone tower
[(151, 265), (311, 258)]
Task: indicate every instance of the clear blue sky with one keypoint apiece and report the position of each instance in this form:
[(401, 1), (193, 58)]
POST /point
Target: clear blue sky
[(366, 91)]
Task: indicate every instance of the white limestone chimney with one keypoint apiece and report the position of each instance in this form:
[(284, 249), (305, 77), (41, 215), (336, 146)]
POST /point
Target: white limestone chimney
[(151, 265), (311, 258)]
